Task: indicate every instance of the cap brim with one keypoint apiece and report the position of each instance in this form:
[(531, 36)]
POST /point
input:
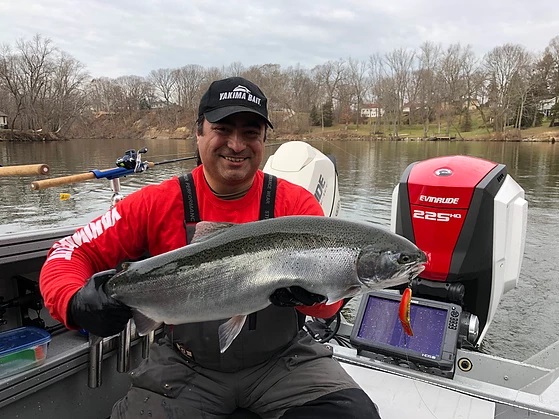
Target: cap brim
[(220, 113)]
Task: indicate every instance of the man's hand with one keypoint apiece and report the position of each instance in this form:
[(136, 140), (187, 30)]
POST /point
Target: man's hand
[(93, 310), (295, 296)]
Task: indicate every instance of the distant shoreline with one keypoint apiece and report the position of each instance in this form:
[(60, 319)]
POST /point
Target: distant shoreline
[(28, 136), (302, 137), (550, 136)]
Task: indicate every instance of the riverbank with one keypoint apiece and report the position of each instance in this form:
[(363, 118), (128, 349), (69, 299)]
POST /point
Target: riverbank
[(407, 133), (28, 136), (539, 134), (362, 133)]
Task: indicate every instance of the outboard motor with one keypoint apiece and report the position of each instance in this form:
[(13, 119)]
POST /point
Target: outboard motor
[(469, 216), (302, 164)]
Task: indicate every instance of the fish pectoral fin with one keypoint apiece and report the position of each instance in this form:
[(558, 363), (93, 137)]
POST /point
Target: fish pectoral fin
[(144, 324), (229, 330), (352, 291)]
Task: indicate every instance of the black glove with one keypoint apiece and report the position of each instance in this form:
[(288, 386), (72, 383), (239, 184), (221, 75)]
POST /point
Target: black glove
[(93, 310), (295, 296)]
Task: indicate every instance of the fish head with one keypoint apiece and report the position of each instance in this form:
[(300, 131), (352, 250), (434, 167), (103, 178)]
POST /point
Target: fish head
[(111, 287), (389, 267), (121, 283)]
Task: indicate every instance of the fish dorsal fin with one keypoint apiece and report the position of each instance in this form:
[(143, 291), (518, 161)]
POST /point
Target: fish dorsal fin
[(144, 324), (206, 229)]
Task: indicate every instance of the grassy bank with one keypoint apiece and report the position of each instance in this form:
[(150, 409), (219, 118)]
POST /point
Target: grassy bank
[(169, 124), (445, 129), (415, 133)]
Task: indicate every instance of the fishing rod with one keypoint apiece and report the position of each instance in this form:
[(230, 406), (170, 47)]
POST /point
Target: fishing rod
[(24, 170), (129, 164)]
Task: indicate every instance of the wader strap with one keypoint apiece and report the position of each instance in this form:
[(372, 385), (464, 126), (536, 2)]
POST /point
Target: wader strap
[(191, 213), (268, 199)]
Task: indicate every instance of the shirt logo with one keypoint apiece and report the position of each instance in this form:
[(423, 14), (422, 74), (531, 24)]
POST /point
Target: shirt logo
[(240, 92), (64, 248)]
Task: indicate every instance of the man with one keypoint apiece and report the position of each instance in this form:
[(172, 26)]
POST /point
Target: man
[(272, 368)]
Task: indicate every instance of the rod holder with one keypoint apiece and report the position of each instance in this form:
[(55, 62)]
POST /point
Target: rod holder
[(123, 354), (94, 378), (147, 340)]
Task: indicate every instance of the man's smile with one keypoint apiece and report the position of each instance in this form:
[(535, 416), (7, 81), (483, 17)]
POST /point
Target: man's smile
[(235, 159)]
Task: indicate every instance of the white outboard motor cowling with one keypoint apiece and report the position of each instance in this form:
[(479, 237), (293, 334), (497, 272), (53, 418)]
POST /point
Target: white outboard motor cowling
[(303, 165)]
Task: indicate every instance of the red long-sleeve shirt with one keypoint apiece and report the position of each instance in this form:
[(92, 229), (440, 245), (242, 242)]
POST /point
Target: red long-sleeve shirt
[(152, 219)]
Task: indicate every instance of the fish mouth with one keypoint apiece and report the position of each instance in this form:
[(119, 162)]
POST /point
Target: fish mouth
[(414, 271), (402, 277)]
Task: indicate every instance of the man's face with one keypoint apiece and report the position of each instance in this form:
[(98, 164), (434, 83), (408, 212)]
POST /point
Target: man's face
[(231, 151)]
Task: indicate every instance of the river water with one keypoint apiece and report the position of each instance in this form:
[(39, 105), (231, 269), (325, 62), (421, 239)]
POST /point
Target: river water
[(368, 172)]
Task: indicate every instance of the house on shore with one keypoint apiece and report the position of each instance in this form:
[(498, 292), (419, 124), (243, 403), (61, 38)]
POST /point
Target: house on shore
[(3, 120), (371, 110), (545, 106)]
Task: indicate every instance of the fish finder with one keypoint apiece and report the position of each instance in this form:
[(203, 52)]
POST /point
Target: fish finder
[(435, 324)]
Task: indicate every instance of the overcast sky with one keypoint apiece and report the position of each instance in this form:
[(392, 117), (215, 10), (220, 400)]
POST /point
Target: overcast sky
[(124, 37)]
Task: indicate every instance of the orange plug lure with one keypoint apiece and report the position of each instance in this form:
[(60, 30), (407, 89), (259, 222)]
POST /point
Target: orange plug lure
[(404, 311)]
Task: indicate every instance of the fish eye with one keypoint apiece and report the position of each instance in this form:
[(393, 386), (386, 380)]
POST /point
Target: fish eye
[(404, 259)]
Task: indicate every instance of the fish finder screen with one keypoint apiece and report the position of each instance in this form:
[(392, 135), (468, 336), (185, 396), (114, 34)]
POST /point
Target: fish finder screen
[(381, 325)]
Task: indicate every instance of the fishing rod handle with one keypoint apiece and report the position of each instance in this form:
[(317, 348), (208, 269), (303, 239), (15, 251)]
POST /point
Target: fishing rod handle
[(96, 174), (64, 180), (25, 170)]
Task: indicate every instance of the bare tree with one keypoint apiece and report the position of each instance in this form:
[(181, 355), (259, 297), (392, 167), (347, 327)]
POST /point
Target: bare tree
[(397, 70), (103, 95), (11, 82), (163, 82), (65, 96), (376, 90), (329, 77), (542, 75), (135, 93), (302, 90), (189, 80), (45, 86), (503, 64), (553, 51), (273, 83), (302, 93), (428, 93), (456, 66), (525, 80), (479, 92), (35, 68), (358, 80), (235, 69)]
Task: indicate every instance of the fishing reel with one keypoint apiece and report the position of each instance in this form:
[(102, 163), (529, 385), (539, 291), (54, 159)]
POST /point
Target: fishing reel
[(132, 160)]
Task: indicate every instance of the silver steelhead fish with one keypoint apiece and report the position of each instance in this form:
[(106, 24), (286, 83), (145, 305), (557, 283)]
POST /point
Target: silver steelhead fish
[(230, 270)]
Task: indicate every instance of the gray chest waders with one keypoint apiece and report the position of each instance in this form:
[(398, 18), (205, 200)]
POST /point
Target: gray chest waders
[(192, 214), (277, 326)]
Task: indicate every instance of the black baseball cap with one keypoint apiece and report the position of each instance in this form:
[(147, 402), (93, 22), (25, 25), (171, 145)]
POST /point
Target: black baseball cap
[(232, 95)]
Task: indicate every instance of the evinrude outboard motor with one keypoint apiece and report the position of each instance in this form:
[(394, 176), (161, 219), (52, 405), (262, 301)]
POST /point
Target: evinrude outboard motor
[(302, 164), (469, 216)]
